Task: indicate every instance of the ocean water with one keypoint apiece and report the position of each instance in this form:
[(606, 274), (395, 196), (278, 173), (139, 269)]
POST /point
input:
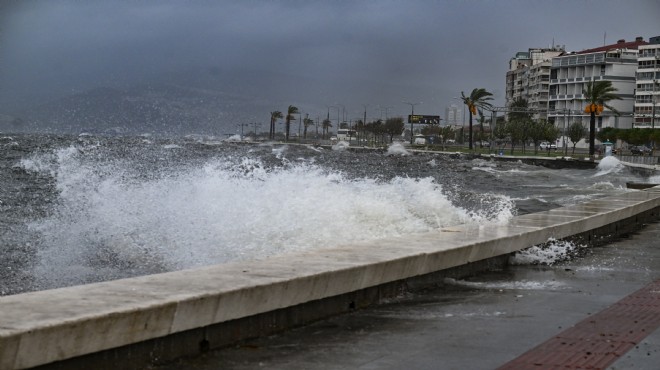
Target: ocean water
[(81, 209)]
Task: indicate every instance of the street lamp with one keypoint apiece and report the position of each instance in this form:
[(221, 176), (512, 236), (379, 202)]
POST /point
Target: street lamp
[(242, 125), (412, 108), (337, 119), (343, 115), (381, 109)]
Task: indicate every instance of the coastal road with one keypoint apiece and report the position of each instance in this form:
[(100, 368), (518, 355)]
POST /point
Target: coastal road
[(486, 322)]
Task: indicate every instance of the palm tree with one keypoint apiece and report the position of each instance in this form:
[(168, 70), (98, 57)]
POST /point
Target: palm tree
[(519, 109), (478, 99), (597, 94), (326, 127), (306, 123), (274, 116), (289, 116)]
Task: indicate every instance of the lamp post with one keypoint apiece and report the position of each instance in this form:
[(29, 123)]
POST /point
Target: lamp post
[(381, 109), (243, 125), (328, 117), (255, 129), (412, 108), (300, 121), (364, 122), (337, 119), (343, 115)]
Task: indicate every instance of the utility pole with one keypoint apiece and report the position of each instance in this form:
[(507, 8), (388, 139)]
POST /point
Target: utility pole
[(255, 129), (412, 108), (243, 125)]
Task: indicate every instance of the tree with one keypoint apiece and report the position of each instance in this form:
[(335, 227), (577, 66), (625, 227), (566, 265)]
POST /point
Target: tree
[(576, 132), (519, 109), (359, 128), (274, 116), (393, 126), (550, 131), (537, 133), (597, 94), (607, 133), (478, 99), (519, 131), (306, 123), (500, 131), (289, 116), (376, 128), (326, 126)]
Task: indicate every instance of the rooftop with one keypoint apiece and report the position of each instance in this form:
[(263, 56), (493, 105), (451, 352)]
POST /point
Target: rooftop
[(621, 44)]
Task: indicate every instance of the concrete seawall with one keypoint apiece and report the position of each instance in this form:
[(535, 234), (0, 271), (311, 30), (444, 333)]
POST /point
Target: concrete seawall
[(131, 323)]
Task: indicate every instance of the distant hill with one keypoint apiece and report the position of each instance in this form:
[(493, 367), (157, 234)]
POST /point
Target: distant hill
[(201, 101), (162, 108)]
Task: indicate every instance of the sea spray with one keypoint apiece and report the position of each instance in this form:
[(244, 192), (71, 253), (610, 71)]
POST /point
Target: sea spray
[(89, 208), (549, 253), (111, 221)]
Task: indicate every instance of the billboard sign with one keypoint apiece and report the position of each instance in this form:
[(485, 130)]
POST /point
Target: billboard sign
[(417, 118)]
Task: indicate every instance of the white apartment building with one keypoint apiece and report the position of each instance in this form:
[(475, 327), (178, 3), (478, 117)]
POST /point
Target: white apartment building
[(647, 92), (453, 115), (570, 74), (529, 78)]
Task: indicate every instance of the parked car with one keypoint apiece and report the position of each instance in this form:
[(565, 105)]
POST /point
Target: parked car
[(547, 146), (639, 150)]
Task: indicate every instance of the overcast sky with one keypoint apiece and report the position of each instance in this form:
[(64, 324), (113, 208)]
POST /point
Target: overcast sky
[(372, 52)]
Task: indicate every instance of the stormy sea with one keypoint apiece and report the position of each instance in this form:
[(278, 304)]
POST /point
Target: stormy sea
[(82, 209)]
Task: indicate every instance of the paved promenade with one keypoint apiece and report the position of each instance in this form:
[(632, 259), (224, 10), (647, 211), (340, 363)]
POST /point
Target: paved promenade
[(485, 322)]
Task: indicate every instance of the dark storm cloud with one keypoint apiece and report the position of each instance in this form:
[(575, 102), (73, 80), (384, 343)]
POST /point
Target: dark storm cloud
[(318, 53)]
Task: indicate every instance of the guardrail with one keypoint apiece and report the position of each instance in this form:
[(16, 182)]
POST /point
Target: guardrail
[(639, 159)]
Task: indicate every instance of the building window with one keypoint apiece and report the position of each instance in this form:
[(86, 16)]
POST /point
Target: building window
[(643, 98)]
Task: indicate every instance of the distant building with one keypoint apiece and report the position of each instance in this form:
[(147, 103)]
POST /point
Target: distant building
[(570, 74), (647, 91), (529, 78), (453, 115)]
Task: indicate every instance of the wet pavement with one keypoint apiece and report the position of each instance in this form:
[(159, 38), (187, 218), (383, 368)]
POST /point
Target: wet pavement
[(478, 323)]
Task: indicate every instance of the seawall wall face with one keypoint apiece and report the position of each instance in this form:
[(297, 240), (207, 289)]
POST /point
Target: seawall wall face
[(160, 317)]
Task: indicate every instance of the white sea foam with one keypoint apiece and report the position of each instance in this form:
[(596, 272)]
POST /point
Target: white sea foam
[(234, 138), (397, 149), (109, 217), (608, 165), (546, 254), (341, 145), (505, 285)]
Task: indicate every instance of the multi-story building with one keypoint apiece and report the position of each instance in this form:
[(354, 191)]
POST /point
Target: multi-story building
[(453, 115), (647, 92), (570, 74), (529, 78)]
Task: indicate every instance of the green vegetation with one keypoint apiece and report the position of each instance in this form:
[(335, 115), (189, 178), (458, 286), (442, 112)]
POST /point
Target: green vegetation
[(274, 116), (289, 116), (635, 136), (576, 132), (597, 94), (478, 99)]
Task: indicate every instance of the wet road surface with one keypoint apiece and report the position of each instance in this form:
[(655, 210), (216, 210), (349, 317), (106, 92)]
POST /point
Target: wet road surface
[(478, 323)]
